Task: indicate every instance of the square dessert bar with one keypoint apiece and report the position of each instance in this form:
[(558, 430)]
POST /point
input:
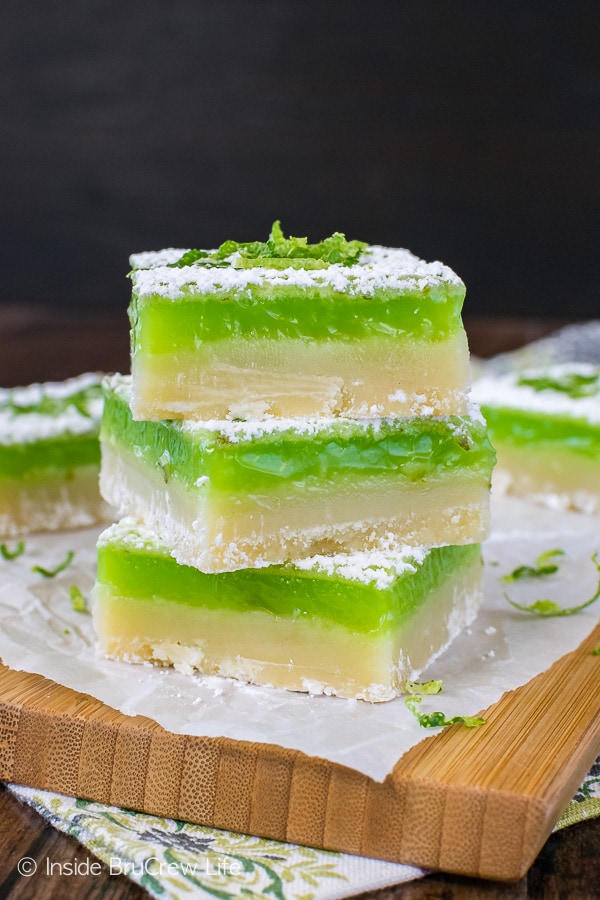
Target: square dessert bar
[(224, 334), (50, 456), (545, 426), (230, 494), (355, 626)]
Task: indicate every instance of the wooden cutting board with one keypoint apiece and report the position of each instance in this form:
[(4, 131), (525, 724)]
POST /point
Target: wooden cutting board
[(478, 802)]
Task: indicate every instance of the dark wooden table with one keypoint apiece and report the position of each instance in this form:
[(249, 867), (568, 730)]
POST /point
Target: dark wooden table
[(37, 344)]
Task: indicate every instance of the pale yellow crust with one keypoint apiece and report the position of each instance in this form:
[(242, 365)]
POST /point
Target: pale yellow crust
[(550, 476), (52, 503), (400, 376)]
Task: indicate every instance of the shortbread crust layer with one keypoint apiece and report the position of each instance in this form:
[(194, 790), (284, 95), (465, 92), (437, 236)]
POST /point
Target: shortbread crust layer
[(552, 476), (387, 376), (53, 502)]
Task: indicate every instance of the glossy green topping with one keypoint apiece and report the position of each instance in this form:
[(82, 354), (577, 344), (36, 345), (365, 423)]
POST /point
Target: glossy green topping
[(50, 455), (144, 571), (523, 428), (291, 312), (242, 457)]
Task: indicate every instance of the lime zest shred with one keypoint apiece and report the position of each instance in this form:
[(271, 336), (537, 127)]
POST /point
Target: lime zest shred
[(596, 651), (77, 598), (52, 573), (164, 464), (540, 568), (277, 252), (424, 687), (18, 549), (548, 608), (438, 719), (435, 719)]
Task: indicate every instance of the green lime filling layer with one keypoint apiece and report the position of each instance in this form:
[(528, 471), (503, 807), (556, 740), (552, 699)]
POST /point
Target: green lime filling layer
[(536, 429), (160, 325), (47, 429), (32, 462), (151, 574), (412, 449)]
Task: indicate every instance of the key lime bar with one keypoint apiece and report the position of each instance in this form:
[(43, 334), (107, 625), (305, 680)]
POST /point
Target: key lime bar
[(226, 495), (50, 456), (356, 626), (545, 426), (236, 332)]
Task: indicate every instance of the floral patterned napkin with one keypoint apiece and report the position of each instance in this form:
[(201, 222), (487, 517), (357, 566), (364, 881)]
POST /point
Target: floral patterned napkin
[(586, 802), (175, 860)]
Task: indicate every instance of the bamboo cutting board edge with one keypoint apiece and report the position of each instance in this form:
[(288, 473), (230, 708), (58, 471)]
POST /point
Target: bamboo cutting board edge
[(477, 802)]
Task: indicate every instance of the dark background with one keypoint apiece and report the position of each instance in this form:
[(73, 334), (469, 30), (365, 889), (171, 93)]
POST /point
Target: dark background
[(466, 131)]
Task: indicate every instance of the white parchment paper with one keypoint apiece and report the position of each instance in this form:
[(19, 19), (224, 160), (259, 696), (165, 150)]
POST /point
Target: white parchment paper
[(41, 633)]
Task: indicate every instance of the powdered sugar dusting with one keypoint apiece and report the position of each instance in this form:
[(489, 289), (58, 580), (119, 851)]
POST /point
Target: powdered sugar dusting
[(133, 534), (378, 268), (152, 258), (237, 431), (240, 431), (370, 567), (22, 423)]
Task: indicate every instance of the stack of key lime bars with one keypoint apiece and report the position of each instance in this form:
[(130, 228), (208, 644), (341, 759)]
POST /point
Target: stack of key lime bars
[(303, 477)]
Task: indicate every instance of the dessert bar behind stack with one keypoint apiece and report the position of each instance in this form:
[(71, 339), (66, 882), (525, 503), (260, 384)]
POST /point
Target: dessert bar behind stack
[(545, 426), (50, 456)]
